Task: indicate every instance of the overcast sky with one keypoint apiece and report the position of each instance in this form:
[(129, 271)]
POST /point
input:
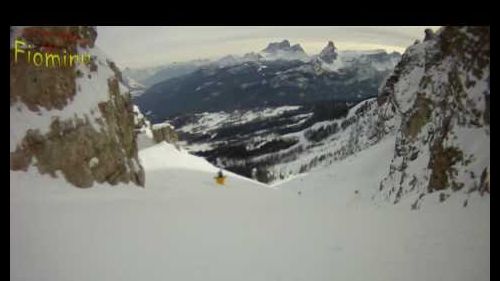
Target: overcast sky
[(142, 46)]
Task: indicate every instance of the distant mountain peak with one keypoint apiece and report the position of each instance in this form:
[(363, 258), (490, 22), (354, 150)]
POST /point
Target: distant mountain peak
[(429, 34), (329, 53), (275, 46), (283, 50)]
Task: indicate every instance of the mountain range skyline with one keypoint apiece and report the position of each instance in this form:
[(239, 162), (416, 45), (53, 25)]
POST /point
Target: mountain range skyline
[(155, 45)]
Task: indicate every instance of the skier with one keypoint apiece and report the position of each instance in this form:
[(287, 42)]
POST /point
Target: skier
[(220, 178)]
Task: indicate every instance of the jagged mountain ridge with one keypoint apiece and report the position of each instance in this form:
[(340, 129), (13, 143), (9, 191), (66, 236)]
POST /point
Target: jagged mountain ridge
[(153, 75), (261, 82)]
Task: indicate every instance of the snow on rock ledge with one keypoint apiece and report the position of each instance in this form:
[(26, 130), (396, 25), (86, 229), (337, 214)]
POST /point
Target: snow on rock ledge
[(441, 90)]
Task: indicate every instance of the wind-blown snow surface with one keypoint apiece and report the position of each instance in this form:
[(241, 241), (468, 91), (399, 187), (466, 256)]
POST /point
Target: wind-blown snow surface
[(182, 226)]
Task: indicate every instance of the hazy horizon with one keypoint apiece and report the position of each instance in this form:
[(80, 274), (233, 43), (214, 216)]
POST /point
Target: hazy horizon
[(155, 45)]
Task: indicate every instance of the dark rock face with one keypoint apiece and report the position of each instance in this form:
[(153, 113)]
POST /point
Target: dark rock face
[(419, 118), (84, 148), (164, 133), (429, 35)]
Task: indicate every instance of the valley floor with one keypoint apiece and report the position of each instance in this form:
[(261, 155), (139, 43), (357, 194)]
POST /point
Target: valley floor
[(183, 226)]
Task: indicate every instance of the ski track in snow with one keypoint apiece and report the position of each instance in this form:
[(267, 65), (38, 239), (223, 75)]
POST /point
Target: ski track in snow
[(182, 226)]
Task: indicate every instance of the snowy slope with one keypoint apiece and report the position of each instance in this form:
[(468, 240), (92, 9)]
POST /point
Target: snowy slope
[(182, 226)]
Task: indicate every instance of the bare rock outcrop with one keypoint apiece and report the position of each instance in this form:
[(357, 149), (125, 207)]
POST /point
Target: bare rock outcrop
[(76, 121)]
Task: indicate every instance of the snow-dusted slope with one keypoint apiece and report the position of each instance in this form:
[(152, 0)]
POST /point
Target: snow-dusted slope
[(312, 145), (182, 226), (167, 156), (207, 122), (332, 140)]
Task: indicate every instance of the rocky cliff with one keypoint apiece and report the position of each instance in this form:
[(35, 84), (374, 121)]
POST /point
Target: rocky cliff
[(74, 121), (440, 90)]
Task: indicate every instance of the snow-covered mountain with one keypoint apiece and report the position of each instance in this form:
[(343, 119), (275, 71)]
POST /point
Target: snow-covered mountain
[(141, 74), (274, 51), (151, 75), (246, 84), (331, 59), (433, 103), (329, 53)]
